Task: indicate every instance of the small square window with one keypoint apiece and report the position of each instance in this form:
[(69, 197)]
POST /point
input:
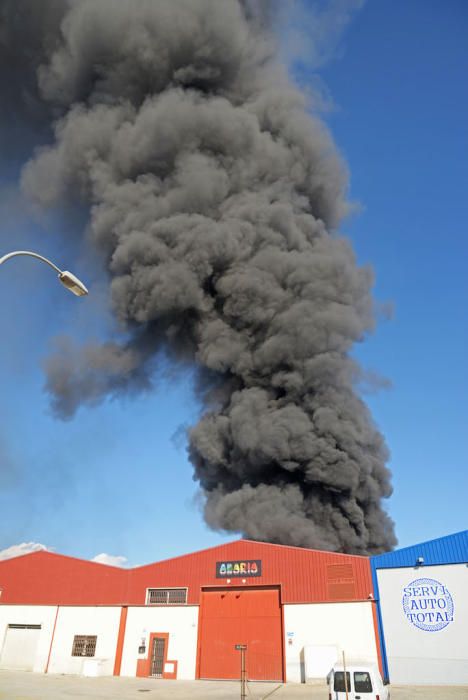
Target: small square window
[(84, 645)]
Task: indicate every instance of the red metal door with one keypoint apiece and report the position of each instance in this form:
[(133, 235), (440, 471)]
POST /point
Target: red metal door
[(241, 616)]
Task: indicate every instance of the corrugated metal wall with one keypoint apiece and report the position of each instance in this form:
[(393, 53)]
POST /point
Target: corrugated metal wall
[(45, 578), (452, 549), (241, 616), (304, 576)]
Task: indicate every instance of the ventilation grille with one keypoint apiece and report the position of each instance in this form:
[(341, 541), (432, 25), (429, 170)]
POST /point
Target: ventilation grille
[(340, 572), (341, 584), (341, 591)]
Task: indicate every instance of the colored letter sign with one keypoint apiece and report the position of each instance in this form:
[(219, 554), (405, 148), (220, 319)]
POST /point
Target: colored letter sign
[(238, 569)]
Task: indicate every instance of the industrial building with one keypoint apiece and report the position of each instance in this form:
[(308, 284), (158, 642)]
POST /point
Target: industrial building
[(295, 609), (422, 594)]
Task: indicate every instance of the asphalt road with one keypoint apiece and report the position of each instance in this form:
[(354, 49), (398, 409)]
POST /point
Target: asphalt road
[(36, 686)]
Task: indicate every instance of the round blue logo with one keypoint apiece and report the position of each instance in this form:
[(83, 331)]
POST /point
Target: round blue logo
[(427, 604)]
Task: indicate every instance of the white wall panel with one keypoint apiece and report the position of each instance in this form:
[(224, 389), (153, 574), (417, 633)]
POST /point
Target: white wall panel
[(425, 639), (347, 626), (20, 648), (83, 620), (43, 615), (181, 623)]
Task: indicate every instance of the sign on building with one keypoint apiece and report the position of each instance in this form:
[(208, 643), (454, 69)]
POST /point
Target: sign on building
[(243, 569), (427, 604)]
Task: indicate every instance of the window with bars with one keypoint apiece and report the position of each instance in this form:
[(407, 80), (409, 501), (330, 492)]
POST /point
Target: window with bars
[(166, 596), (84, 645)]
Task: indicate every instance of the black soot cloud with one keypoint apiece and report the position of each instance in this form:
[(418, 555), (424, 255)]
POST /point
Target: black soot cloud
[(214, 198)]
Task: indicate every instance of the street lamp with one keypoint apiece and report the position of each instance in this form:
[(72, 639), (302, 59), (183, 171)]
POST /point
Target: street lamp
[(69, 280)]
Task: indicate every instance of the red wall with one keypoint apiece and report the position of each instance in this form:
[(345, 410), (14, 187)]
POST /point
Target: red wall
[(251, 617), (44, 578), (304, 576), (302, 573)]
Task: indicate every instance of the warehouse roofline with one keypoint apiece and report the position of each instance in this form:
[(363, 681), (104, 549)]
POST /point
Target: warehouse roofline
[(46, 553), (450, 549), (252, 542)]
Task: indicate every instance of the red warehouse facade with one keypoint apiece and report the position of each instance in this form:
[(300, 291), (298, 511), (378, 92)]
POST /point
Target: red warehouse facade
[(295, 609)]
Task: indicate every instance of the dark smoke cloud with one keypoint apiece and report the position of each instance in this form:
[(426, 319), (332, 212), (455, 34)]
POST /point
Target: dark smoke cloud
[(85, 375), (28, 33), (214, 199)]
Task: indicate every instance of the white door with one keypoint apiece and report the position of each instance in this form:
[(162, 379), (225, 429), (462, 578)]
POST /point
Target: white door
[(19, 648)]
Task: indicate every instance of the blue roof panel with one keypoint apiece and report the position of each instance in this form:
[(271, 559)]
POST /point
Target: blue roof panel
[(452, 549)]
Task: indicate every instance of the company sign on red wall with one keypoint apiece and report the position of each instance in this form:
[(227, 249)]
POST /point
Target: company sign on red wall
[(45, 578), (229, 569)]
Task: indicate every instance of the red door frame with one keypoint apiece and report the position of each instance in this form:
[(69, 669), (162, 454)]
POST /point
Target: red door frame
[(241, 588), (144, 665)]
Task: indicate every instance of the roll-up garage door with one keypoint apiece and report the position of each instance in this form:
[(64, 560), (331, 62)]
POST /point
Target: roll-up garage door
[(241, 616), (19, 648)]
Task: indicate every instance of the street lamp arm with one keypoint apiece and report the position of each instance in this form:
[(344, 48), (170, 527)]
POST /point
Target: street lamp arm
[(68, 279), (31, 254)]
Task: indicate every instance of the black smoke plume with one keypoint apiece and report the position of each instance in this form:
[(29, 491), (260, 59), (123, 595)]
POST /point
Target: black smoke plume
[(214, 199), (28, 33)]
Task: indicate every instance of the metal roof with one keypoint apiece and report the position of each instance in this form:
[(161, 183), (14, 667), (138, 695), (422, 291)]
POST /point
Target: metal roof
[(451, 549), (305, 576)]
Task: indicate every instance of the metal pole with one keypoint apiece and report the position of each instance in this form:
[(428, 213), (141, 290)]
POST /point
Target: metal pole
[(242, 648), (32, 255), (68, 279), (345, 677), (243, 693)]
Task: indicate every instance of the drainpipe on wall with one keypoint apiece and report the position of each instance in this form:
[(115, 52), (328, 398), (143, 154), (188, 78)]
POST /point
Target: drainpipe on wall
[(52, 640), (120, 640)]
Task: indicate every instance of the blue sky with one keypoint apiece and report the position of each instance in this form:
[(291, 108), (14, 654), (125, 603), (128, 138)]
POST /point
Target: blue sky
[(116, 479)]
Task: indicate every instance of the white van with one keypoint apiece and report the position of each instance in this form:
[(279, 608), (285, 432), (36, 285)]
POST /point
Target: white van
[(363, 680)]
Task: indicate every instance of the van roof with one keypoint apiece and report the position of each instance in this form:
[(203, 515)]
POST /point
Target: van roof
[(357, 666)]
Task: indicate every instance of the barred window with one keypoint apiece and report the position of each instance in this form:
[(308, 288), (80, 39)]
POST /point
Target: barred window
[(84, 645), (166, 596)]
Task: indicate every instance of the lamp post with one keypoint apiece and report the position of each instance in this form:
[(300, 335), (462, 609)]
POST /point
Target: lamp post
[(69, 280)]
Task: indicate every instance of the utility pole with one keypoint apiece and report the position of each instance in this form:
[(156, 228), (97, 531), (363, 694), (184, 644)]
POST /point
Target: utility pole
[(242, 648), (345, 677)]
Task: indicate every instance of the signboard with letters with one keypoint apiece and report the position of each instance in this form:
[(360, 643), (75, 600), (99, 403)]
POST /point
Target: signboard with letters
[(241, 569)]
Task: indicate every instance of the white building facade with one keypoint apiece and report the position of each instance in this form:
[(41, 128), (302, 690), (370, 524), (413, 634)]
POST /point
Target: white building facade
[(422, 596)]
